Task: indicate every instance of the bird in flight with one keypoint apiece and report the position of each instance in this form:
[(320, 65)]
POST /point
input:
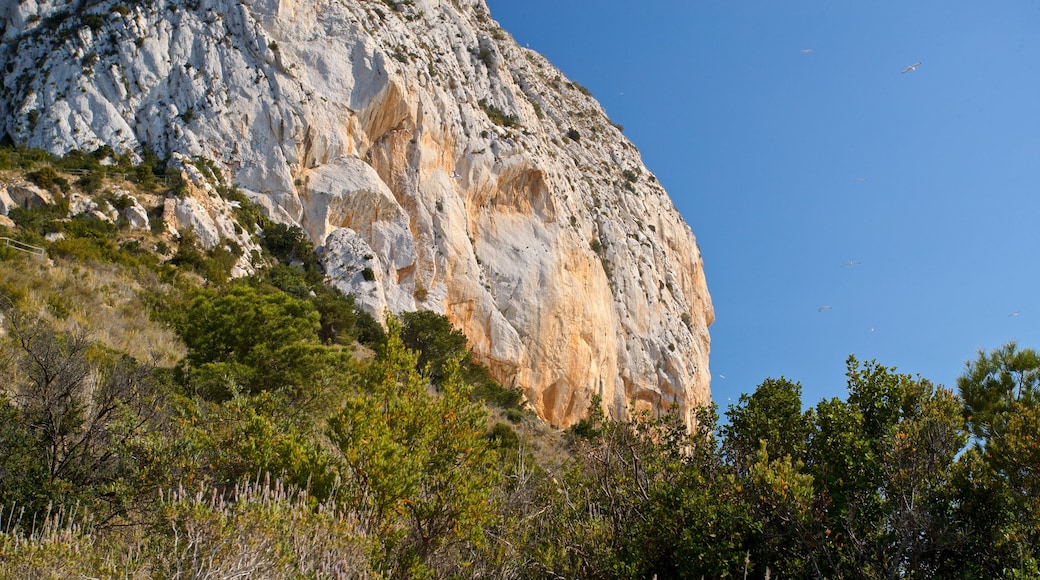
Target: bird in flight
[(848, 264), (806, 51), (824, 308), (1015, 313), (911, 67)]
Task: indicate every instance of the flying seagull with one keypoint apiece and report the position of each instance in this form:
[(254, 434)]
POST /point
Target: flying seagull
[(824, 308), (852, 263), (806, 51), (911, 67), (1015, 313)]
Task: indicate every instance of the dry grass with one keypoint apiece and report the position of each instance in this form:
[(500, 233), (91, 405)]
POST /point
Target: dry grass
[(262, 530), (103, 299)]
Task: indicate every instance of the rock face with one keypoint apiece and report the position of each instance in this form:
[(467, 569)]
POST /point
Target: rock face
[(438, 164)]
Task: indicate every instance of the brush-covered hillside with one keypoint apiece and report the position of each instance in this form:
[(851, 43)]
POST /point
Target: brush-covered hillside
[(166, 414)]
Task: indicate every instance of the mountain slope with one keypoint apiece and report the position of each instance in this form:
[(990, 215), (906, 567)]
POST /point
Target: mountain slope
[(438, 164)]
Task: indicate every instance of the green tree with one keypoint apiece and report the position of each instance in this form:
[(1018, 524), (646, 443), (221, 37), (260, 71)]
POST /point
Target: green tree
[(1000, 392), (251, 340), (435, 339), (642, 498), (919, 474), (419, 468), (783, 502), (993, 383), (882, 463), (772, 414), (288, 243)]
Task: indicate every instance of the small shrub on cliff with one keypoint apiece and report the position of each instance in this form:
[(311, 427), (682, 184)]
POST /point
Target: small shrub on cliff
[(498, 116), (287, 243)]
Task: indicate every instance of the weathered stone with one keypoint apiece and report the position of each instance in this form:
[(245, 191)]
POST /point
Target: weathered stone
[(29, 196), (7, 203), (136, 215), (80, 204)]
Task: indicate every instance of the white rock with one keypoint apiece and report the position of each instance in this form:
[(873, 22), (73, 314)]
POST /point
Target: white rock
[(351, 263), (136, 215), (81, 204), (29, 196), (7, 203)]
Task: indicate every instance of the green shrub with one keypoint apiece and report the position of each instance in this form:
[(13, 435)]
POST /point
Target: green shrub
[(47, 178), (498, 116), (487, 390), (93, 21), (288, 243), (434, 338), (502, 436), (214, 264), (41, 220)]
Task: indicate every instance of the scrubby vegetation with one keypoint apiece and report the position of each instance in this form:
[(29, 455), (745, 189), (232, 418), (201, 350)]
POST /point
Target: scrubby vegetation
[(160, 419)]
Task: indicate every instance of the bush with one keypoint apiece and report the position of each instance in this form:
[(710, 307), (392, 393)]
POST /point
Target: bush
[(498, 116), (435, 339), (215, 264), (47, 178), (90, 182), (487, 390), (40, 220), (288, 243), (502, 436)]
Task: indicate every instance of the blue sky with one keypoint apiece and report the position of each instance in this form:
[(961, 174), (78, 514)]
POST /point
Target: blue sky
[(789, 164)]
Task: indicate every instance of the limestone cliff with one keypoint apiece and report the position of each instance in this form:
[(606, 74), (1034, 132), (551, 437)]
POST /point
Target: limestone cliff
[(437, 164)]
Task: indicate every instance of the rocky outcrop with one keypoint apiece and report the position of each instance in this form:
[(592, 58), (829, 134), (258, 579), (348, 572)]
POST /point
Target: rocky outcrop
[(438, 164)]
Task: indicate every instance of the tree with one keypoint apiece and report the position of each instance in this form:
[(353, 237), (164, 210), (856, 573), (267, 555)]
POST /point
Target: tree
[(882, 462), (772, 414), (418, 467), (288, 243), (250, 339), (76, 404), (435, 339), (993, 383)]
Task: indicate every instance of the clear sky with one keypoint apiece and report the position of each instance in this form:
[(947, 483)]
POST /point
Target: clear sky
[(791, 141)]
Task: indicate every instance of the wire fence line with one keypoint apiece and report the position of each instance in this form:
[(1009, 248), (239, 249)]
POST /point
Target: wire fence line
[(21, 161), (24, 247), (163, 179)]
